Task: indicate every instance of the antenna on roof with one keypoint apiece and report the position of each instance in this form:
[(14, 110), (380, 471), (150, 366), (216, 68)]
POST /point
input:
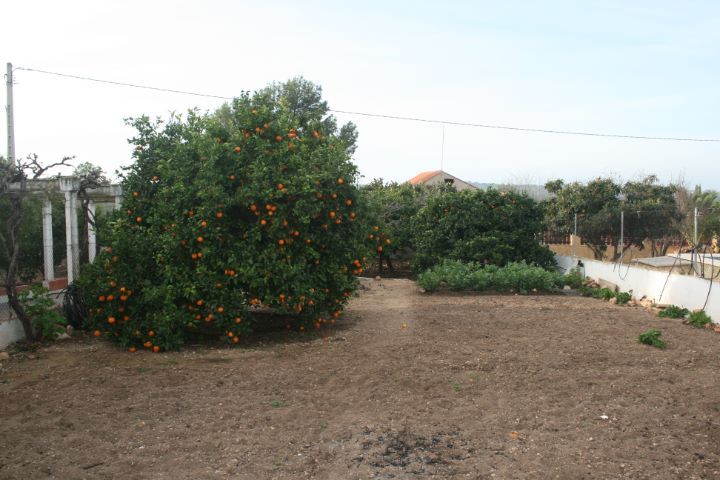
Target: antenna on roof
[(442, 149)]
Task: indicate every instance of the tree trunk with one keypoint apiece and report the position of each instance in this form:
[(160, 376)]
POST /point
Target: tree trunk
[(13, 252), (598, 251), (17, 307)]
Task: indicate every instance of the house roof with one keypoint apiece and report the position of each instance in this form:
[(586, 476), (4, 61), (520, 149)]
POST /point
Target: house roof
[(423, 177)]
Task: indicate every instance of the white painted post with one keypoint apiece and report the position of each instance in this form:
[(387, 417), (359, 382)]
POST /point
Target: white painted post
[(70, 186), (574, 242), (622, 234), (49, 261), (92, 237), (118, 202)]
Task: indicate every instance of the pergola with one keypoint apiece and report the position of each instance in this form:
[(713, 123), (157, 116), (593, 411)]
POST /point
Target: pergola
[(67, 187)]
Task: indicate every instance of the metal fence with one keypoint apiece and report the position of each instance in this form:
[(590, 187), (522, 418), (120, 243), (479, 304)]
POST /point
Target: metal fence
[(625, 236)]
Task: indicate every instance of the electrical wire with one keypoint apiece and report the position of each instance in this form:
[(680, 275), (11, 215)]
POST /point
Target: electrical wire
[(668, 277), (392, 117)]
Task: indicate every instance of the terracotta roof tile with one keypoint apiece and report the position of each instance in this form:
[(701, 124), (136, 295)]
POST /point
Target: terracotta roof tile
[(423, 177)]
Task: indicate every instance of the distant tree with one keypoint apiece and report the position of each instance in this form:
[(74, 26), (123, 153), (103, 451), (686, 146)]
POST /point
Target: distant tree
[(707, 203), (651, 212), (393, 206), (483, 226), (597, 204)]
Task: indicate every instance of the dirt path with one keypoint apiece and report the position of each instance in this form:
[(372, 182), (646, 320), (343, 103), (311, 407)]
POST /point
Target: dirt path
[(408, 386)]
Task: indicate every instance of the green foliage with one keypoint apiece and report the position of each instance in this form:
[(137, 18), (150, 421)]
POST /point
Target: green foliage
[(516, 277), (586, 291), (253, 205), (574, 278), (600, 293), (483, 226), (42, 312), (673, 311), (596, 201), (598, 204), (698, 319), (623, 297), (604, 294), (652, 337), (707, 203), (393, 206)]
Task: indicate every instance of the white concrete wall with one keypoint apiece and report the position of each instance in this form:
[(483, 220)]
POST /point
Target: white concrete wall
[(10, 327), (10, 331), (683, 290)]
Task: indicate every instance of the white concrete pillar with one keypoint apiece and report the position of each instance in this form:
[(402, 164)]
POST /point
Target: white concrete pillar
[(118, 202), (49, 261), (70, 187), (92, 238)]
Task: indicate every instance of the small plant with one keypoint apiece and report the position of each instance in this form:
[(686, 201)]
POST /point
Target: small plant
[(699, 319), (574, 279), (586, 291), (673, 311), (456, 386), (46, 321), (277, 404), (603, 293), (652, 338), (623, 297)]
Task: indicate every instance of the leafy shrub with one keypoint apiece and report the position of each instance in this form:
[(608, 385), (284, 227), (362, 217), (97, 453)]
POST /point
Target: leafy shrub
[(673, 311), (481, 226), (699, 319), (652, 338), (42, 311), (519, 277), (574, 278), (587, 291), (623, 297), (603, 293), (253, 205), (393, 206)]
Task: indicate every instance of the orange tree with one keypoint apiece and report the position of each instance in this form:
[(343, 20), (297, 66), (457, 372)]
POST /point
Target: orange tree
[(254, 205), (485, 226)]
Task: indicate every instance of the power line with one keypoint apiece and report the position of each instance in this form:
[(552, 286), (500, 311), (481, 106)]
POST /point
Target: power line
[(123, 84), (395, 117), (533, 130)]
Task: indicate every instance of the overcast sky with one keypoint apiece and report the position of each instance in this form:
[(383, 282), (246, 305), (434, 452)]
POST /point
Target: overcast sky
[(648, 68)]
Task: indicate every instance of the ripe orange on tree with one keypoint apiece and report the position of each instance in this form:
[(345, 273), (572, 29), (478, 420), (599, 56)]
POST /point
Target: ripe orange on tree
[(168, 275)]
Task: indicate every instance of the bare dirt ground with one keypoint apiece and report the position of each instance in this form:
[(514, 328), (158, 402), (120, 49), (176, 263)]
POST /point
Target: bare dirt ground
[(409, 386)]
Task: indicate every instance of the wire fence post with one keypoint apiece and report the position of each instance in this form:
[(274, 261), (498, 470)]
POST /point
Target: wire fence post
[(574, 240), (622, 234), (695, 254)]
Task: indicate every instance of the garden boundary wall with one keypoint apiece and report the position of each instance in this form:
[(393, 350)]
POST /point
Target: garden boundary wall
[(661, 287)]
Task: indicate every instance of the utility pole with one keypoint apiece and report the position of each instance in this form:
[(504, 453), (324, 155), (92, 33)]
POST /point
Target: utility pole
[(10, 117), (442, 149)]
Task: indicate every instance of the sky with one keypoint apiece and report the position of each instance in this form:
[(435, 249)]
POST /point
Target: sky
[(648, 68)]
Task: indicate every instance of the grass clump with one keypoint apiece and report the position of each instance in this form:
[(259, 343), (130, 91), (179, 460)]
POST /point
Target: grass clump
[(673, 311), (699, 319), (652, 337), (623, 297)]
